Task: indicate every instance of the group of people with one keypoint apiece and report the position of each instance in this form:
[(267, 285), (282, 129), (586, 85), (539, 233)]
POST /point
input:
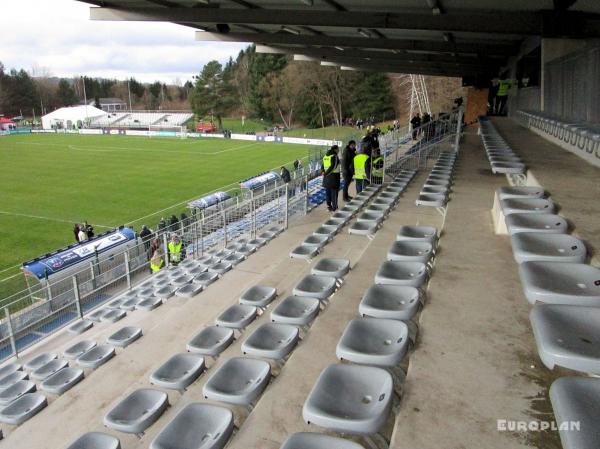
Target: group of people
[(419, 125), (498, 95), (156, 252), (83, 231), (363, 166)]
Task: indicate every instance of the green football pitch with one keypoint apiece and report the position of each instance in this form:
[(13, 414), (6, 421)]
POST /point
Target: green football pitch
[(50, 182)]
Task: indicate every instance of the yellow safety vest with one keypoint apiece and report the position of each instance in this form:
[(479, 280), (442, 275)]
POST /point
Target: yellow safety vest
[(155, 267), (360, 172), (327, 164), (503, 88), (175, 251), (377, 171)]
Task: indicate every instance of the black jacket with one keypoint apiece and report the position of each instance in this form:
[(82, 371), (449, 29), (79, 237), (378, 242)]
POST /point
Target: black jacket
[(331, 180), (348, 162), (285, 175)]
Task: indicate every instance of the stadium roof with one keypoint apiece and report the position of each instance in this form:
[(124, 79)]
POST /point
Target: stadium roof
[(436, 37)]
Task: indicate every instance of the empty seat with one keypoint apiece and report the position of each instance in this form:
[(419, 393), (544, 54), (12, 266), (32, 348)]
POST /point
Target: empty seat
[(48, 369), (577, 400), (206, 278), (432, 200), (335, 267), (234, 258), (165, 292), (75, 350), (410, 251), (398, 302), (298, 310), (373, 341), (402, 273), (520, 192), (10, 379), (146, 291), (209, 260), (196, 426), (148, 304), (532, 246), (125, 336), (211, 341), (63, 380), (182, 280), (238, 316), (364, 227), (179, 371), (96, 357), (272, 341), (567, 336), (351, 399), (439, 190), (9, 369), (239, 381), (327, 231), (189, 290), (527, 206), (39, 361), (115, 304), (304, 252), (547, 223), (197, 270), (417, 234), (268, 236), (508, 167), (220, 268), (95, 440), (137, 411), (113, 316), (130, 304), (15, 391), (80, 327), (321, 287), (258, 296), (378, 209), (257, 242), (308, 440), (97, 315), (561, 283), (316, 240), (343, 215), (367, 216), (23, 408)]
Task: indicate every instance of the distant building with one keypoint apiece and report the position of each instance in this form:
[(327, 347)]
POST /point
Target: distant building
[(6, 124), (110, 104), (74, 117)]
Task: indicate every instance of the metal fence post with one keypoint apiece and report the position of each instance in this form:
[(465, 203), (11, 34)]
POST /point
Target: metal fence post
[(166, 250), (224, 226), (128, 270), (253, 214), (286, 208), (458, 128), (11, 334), (202, 237), (305, 181), (77, 298)]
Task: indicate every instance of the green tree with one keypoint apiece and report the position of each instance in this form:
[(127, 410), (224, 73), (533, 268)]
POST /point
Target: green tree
[(259, 66), (136, 88), (372, 96), (65, 94)]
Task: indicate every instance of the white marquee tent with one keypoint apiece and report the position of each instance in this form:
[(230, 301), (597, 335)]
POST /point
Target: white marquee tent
[(71, 117)]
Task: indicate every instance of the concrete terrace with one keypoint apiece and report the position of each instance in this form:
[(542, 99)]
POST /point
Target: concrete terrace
[(474, 361)]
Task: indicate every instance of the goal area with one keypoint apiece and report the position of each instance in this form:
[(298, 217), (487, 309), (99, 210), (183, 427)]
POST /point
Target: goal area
[(167, 131)]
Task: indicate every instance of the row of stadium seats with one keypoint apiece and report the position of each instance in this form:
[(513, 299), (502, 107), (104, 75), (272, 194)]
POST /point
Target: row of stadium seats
[(141, 119)]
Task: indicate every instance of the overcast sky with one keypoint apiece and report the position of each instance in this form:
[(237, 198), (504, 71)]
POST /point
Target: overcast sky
[(57, 35)]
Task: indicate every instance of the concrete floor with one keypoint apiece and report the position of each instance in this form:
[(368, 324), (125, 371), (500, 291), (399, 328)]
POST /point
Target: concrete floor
[(474, 361)]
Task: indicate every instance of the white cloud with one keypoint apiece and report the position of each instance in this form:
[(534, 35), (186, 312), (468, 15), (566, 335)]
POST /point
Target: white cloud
[(58, 35)]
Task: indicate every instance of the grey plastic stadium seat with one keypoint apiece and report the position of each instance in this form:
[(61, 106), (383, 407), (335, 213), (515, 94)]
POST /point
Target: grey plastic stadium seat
[(238, 381), (165, 292), (342, 215), (9, 369), (196, 426), (396, 188), (532, 246), (398, 302), (373, 218), (234, 259), (321, 287), (137, 411), (316, 240), (96, 357), (383, 200), (211, 341), (439, 190), (374, 341), (12, 378), (15, 391), (146, 291), (75, 350), (413, 274), (80, 327), (305, 252), (298, 310), (350, 208), (520, 192), (39, 361), (182, 280), (257, 242), (206, 278), (577, 400), (115, 304), (547, 223), (189, 290), (23, 408), (96, 316), (327, 231), (527, 206), (508, 167), (437, 182), (308, 440), (197, 270), (378, 210), (417, 234), (567, 336), (410, 251), (432, 200), (258, 296), (125, 336), (275, 229), (338, 222), (62, 381), (95, 440), (220, 268), (561, 283), (268, 236), (335, 267), (238, 316), (209, 260), (130, 304), (351, 399), (148, 304), (272, 341), (364, 227), (179, 371), (113, 316)]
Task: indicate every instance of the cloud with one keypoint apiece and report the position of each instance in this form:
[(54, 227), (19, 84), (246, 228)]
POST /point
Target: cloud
[(58, 35)]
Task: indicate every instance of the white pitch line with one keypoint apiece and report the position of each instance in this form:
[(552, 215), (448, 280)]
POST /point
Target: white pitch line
[(111, 149), (40, 217)]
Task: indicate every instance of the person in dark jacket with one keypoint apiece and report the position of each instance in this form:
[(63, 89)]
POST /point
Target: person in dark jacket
[(89, 230), (285, 175), (146, 236), (76, 231), (415, 122), (331, 177), (348, 167), (173, 223), (162, 225)]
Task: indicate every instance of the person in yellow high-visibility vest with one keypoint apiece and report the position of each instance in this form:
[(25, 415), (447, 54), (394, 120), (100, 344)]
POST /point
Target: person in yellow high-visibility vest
[(157, 261), (502, 95), (362, 169), (377, 170), (331, 177), (175, 250)]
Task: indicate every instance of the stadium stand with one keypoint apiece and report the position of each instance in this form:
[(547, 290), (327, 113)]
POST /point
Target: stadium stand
[(141, 120)]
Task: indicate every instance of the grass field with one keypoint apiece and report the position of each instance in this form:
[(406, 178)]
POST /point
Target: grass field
[(50, 182)]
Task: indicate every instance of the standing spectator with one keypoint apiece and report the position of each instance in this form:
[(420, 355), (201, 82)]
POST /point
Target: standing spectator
[(157, 260), (89, 230), (493, 90), (285, 175), (296, 164), (146, 236), (185, 221), (348, 167), (173, 222), (154, 245), (81, 236), (162, 225), (76, 231), (415, 123), (175, 250), (331, 177), (425, 125), (362, 169)]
